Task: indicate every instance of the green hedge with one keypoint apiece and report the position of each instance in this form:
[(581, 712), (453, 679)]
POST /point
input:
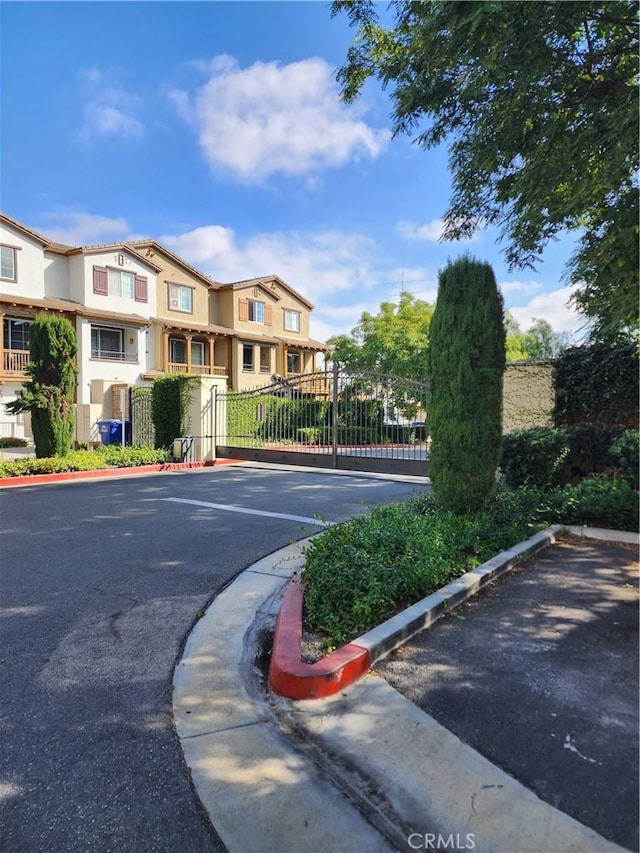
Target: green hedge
[(545, 457), (13, 442), (625, 452), (170, 400), (84, 460), (597, 383), (534, 457)]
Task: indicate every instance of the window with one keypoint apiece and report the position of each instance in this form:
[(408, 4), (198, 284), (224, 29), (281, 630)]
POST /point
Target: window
[(291, 320), (108, 344), (247, 357), (177, 351), (293, 362), (121, 283), (181, 298), (256, 311), (108, 282), (8, 263), (197, 353), (265, 359), (16, 334)]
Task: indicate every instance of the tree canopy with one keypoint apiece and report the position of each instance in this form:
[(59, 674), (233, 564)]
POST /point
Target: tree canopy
[(539, 343), (538, 104), (393, 341)]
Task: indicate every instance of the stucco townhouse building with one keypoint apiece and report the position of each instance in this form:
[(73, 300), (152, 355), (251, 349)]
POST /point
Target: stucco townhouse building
[(141, 311)]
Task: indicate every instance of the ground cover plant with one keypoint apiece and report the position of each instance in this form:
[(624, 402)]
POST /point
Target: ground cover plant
[(361, 572), (13, 442), (109, 456)]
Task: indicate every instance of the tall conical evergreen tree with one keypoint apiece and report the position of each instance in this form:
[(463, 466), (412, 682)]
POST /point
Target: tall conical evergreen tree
[(466, 366), (49, 393)]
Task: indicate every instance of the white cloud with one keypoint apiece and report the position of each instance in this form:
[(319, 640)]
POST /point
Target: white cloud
[(432, 232), (276, 119), (554, 308), (77, 228), (315, 264), (109, 111), (525, 287)]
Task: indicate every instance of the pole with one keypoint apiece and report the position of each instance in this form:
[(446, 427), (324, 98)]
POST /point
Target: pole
[(334, 418), (122, 413)]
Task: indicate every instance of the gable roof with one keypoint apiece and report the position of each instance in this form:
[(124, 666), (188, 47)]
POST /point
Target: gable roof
[(264, 281), (29, 232), (152, 246)]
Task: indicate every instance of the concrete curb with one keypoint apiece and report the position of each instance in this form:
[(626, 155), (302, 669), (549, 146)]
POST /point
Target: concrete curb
[(103, 473), (291, 678), (362, 770)]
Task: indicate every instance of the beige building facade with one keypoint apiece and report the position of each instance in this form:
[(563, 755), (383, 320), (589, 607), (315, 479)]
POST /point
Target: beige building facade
[(140, 311)]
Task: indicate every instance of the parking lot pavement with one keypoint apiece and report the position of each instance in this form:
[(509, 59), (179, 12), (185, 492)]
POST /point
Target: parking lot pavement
[(539, 673)]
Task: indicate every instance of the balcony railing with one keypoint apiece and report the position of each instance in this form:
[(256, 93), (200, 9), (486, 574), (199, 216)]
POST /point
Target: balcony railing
[(14, 361), (200, 369), (114, 355)]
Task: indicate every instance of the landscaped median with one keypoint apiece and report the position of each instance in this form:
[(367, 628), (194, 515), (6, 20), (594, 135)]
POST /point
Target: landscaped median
[(290, 677), (91, 465)]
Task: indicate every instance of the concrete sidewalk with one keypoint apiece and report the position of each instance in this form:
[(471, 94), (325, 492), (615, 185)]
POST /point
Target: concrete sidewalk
[(342, 774)]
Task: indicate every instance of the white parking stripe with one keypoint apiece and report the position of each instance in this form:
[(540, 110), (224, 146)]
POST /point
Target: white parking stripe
[(246, 511)]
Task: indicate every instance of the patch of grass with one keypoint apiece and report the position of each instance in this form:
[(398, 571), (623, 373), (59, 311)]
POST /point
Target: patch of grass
[(361, 572)]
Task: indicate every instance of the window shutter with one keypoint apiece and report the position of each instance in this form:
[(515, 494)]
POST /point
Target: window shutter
[(243, 307), (100, 284), (268, 315), (141, 289)]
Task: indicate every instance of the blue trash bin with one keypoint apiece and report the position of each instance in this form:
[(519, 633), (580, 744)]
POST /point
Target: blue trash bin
[(111, 431)]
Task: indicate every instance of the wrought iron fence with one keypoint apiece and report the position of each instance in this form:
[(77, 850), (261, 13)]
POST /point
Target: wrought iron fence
[(332, 414)]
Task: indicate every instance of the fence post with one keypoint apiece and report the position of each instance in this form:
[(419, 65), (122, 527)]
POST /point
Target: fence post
[(334, 417)]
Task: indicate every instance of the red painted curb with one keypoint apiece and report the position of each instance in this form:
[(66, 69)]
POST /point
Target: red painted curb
[(101, 473), (293, 679)]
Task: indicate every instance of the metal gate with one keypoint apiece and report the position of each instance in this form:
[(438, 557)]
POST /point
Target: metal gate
[(334, 419), (143, 433)]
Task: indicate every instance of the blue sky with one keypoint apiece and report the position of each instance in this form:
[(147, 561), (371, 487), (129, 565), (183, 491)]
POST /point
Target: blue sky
[(217, 129)]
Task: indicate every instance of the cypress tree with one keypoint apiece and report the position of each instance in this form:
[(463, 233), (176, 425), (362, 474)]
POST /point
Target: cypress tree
[(49, 393), (466, 366)]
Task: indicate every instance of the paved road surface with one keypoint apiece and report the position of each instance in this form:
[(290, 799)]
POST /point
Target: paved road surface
[(101, 582)]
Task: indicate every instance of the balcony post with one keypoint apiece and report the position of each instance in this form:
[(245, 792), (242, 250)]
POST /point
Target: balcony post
[(211, 354), (3, 366), (165, 351), (188, 339)]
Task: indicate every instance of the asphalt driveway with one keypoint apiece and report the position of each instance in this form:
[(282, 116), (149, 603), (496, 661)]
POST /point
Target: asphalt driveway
[(539, 673), (101, 582)]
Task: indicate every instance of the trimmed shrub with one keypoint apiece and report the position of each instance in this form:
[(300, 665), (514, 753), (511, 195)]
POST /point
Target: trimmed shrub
[(170, 400), (595, 501), (535, 457), (466, 365), (547, 457), (48, 395), (359, 573), (112, 456), (590, 450), (362, 571), (13, 442), (626, 456)]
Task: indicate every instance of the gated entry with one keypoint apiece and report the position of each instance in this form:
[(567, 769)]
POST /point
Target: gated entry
[(335, 419)]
